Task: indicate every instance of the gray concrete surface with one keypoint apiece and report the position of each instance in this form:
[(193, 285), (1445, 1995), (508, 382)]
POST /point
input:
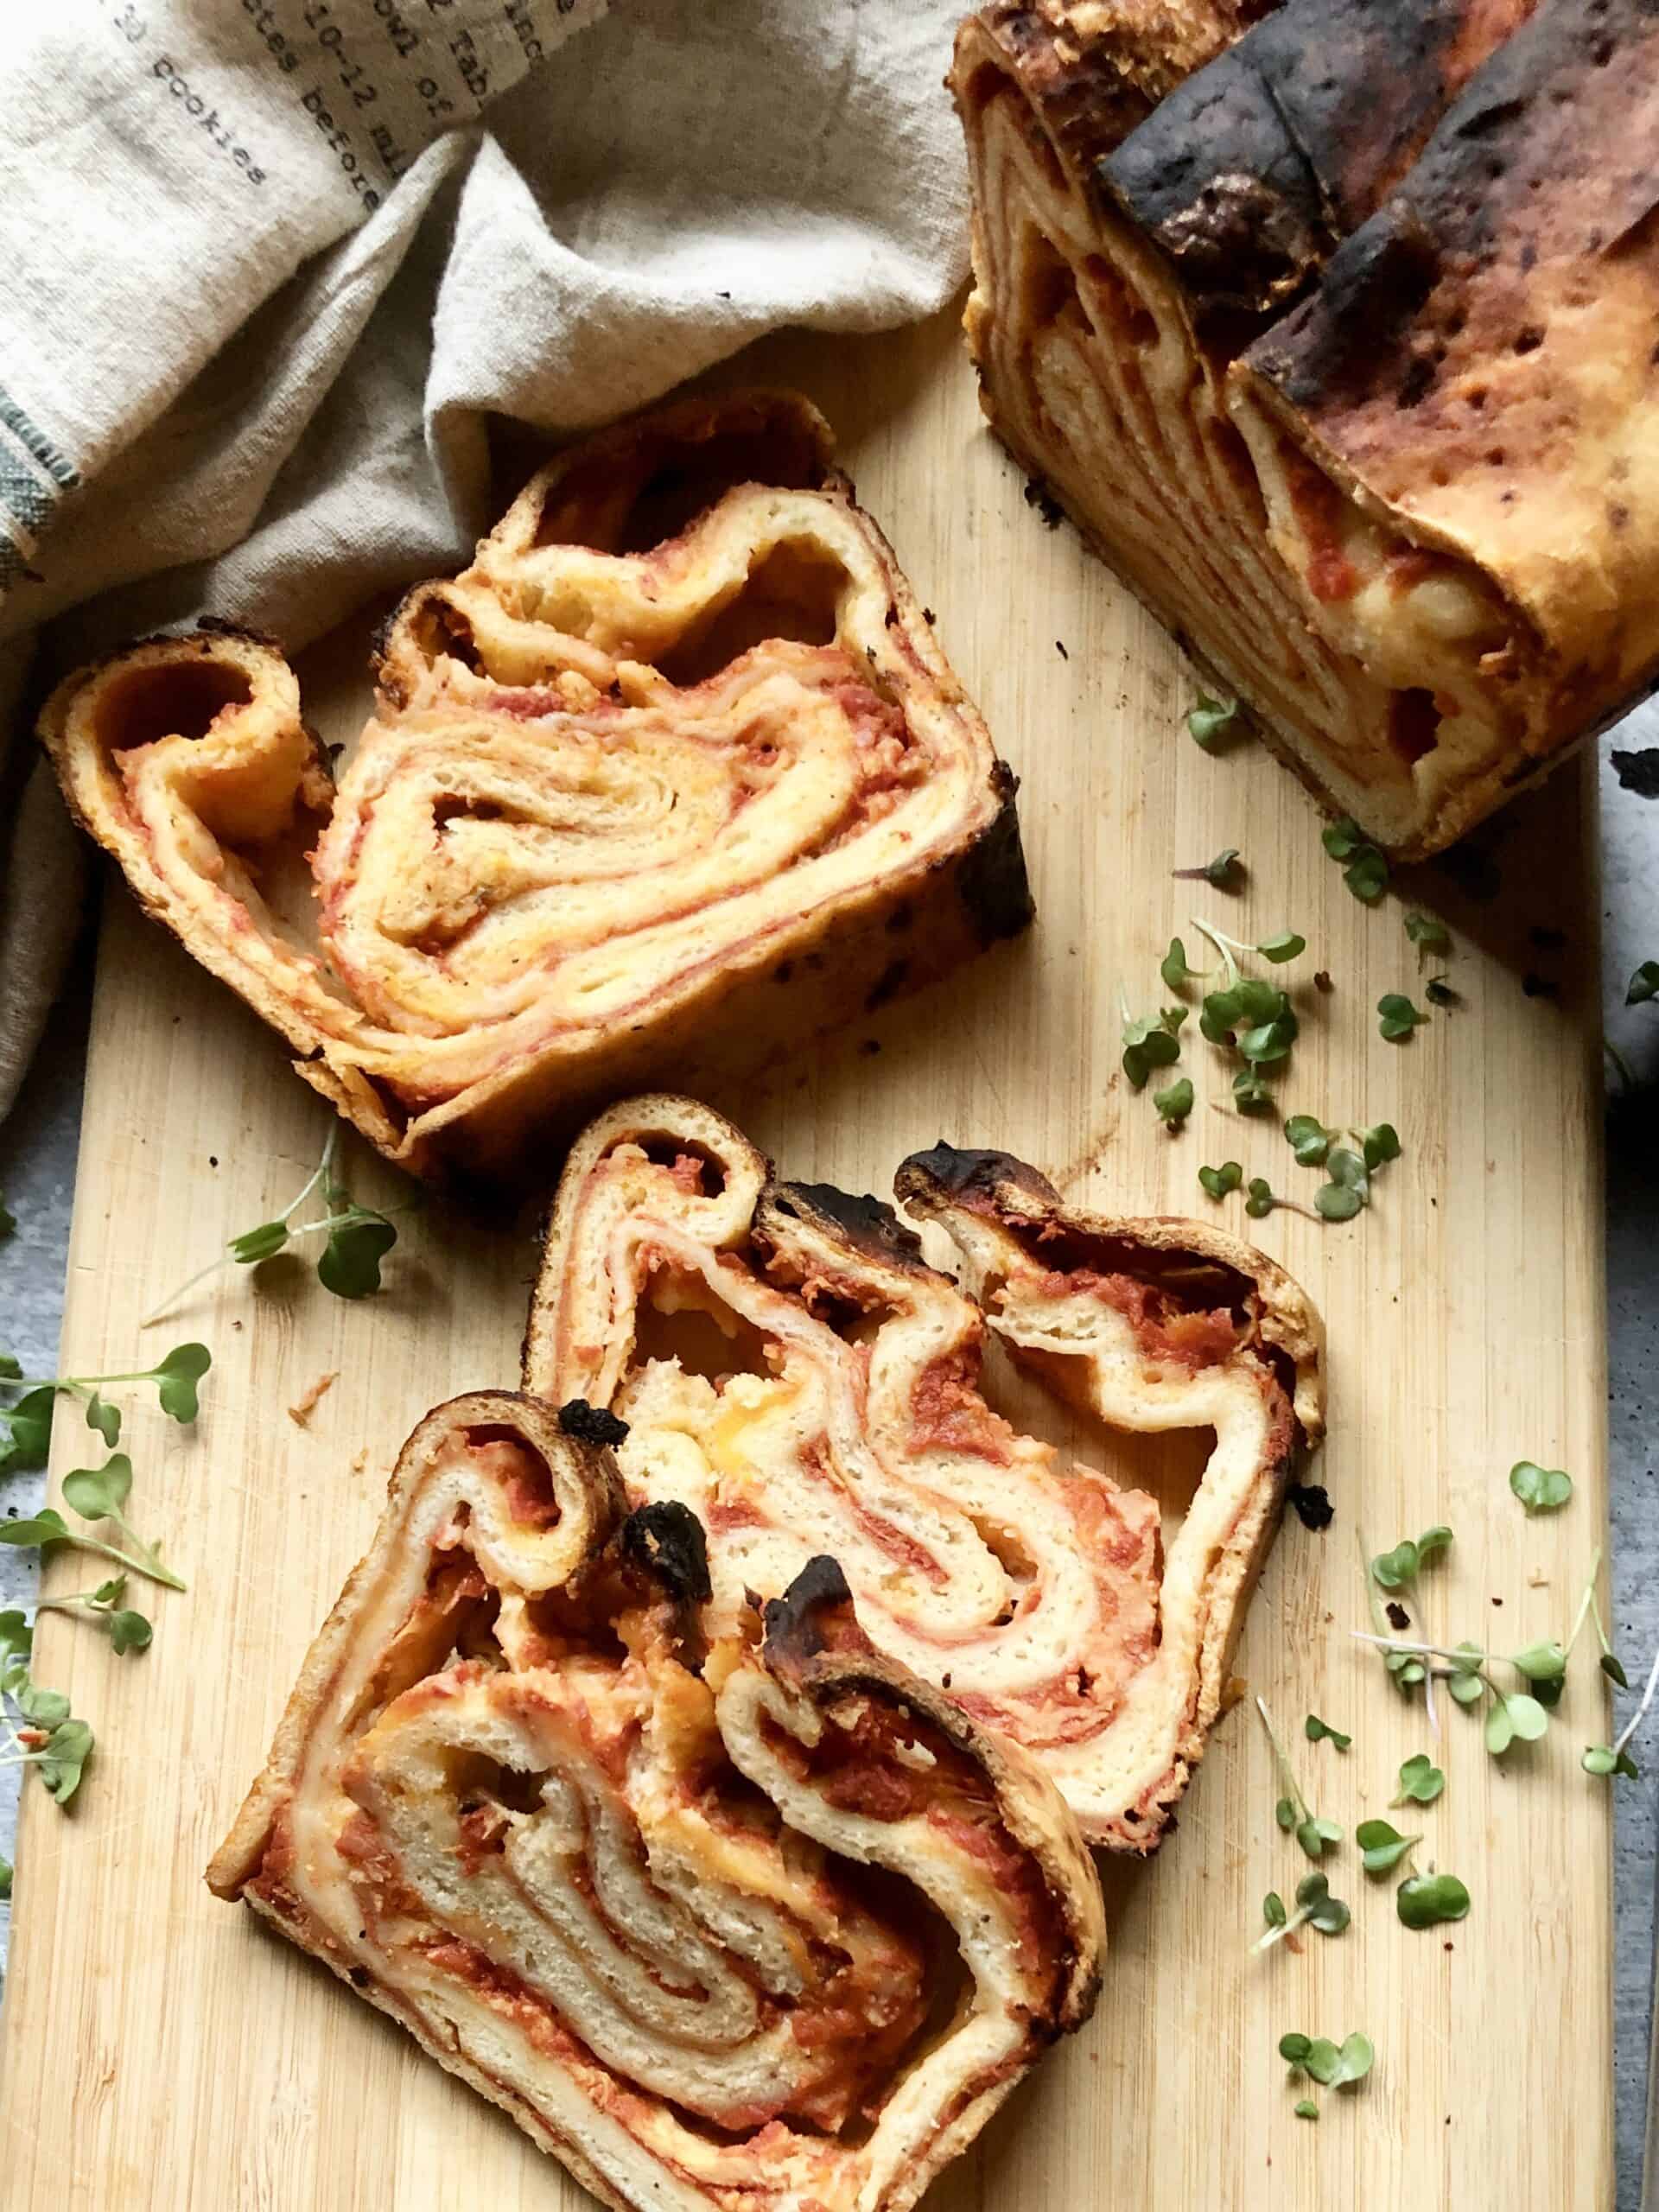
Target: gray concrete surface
[(37, 1154)]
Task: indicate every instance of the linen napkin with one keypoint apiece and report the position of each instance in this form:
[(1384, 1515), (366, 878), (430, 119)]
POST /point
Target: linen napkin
[(272, 263)]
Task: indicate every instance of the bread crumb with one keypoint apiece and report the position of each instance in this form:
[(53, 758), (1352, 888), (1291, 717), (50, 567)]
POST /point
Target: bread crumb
[(360, 1462), (302, 1408)]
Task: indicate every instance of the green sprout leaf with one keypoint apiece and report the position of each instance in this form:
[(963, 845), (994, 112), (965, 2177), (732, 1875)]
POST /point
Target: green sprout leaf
[(1175, 1103), (1337, 1202), (1250, 1092), (1173, 968), (1425, 1900), (5, 1864), (1260, 1202), (1367, 871), (1308, 1139), (1273, 1909), (1294, 2048), (1212, 721), (1318, 1731), (1643, 984), (1382, 1846), (1545, 1662), (1318, 1836), (1218, 1181), (104, 1418), (350, 1266), (1602, 1759), (1286, 945), (1393, 1570), (1305, 2108), (1428, 933), (255, 1244), (1220, 874), (98, 1494), (1332, 2066), (1398, 1016), (1378, 1144), (44, 1528), (1421, 1780), (1540, 1490), (61, 1763), (1329, 1915), (128, 1631), (176, 1379), (26, 1430)]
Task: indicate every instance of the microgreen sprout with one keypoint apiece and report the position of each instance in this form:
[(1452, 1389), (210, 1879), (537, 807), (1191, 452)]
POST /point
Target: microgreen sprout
[(1220, 874), (1212, 721), (128, 1630), (1590, 1607), (1425, 1900), (1218, 1181), (1428, 933), (1174, 967), (1513, 1715), (36, 1727), (1175, 1102), (1332, 2066), (1540, 1490), (1643, 984), (1309, 1139), (1366, 869), (1315, 1908), (1421, 1780), (1150, 1043), (1382, 1846), (1316, 1836), (27, 1423), (94, 1494), (1397, 1017), (1614, 1758), (359, 1238), (1318, 1731)]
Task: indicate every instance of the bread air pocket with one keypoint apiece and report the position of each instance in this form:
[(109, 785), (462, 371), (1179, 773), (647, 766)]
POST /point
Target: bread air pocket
[(790, 1369)]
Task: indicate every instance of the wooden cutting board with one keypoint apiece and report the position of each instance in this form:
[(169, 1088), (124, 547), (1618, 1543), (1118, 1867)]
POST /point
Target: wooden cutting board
[(161, 2051)]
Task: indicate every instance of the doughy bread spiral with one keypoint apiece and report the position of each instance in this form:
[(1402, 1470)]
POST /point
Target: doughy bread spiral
[(792, 1371), (729, 1916), (674, 775)]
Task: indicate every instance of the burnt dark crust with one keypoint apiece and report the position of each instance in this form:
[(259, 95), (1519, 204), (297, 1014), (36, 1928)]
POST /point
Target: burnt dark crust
[(1250, 173), (1517, 173), (667, 1541), (859, 1221), (991, 875), (948, 1171), (592, 1424), (799, 1625)]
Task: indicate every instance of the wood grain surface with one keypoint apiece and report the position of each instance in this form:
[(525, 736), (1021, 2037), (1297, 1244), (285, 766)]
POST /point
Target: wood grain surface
[(161, 2051)]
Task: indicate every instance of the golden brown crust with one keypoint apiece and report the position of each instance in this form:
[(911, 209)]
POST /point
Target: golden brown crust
[(609, 1871), (676, 773), (791, 1366), (1406, 521)]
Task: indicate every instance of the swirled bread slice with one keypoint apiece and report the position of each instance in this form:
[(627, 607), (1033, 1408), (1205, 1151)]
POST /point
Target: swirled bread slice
[(674, 775), (1335, 339), (728, 1915), (789, 1369)]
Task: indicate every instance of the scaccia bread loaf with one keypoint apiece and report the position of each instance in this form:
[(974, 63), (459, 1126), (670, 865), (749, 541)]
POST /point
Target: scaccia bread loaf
[(674, 775), (1337, 339), (729, 1918), (790, 1371)]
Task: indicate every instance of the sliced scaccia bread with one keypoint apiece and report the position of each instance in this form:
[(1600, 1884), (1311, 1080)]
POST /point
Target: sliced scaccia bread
[(729, 1914), (789, 1367), (1334, 331), (674, 776)]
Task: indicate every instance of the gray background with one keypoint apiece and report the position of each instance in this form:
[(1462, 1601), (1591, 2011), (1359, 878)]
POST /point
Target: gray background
[(37, 1167)]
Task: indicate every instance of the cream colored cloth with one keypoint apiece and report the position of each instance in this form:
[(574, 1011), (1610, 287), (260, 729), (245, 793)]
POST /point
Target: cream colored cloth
[(271, 264)]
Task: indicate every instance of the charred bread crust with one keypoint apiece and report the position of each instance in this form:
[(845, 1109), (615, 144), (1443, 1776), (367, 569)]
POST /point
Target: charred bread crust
[(413, 1831), (690, 602), (1336, 353), (849, 1446)]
